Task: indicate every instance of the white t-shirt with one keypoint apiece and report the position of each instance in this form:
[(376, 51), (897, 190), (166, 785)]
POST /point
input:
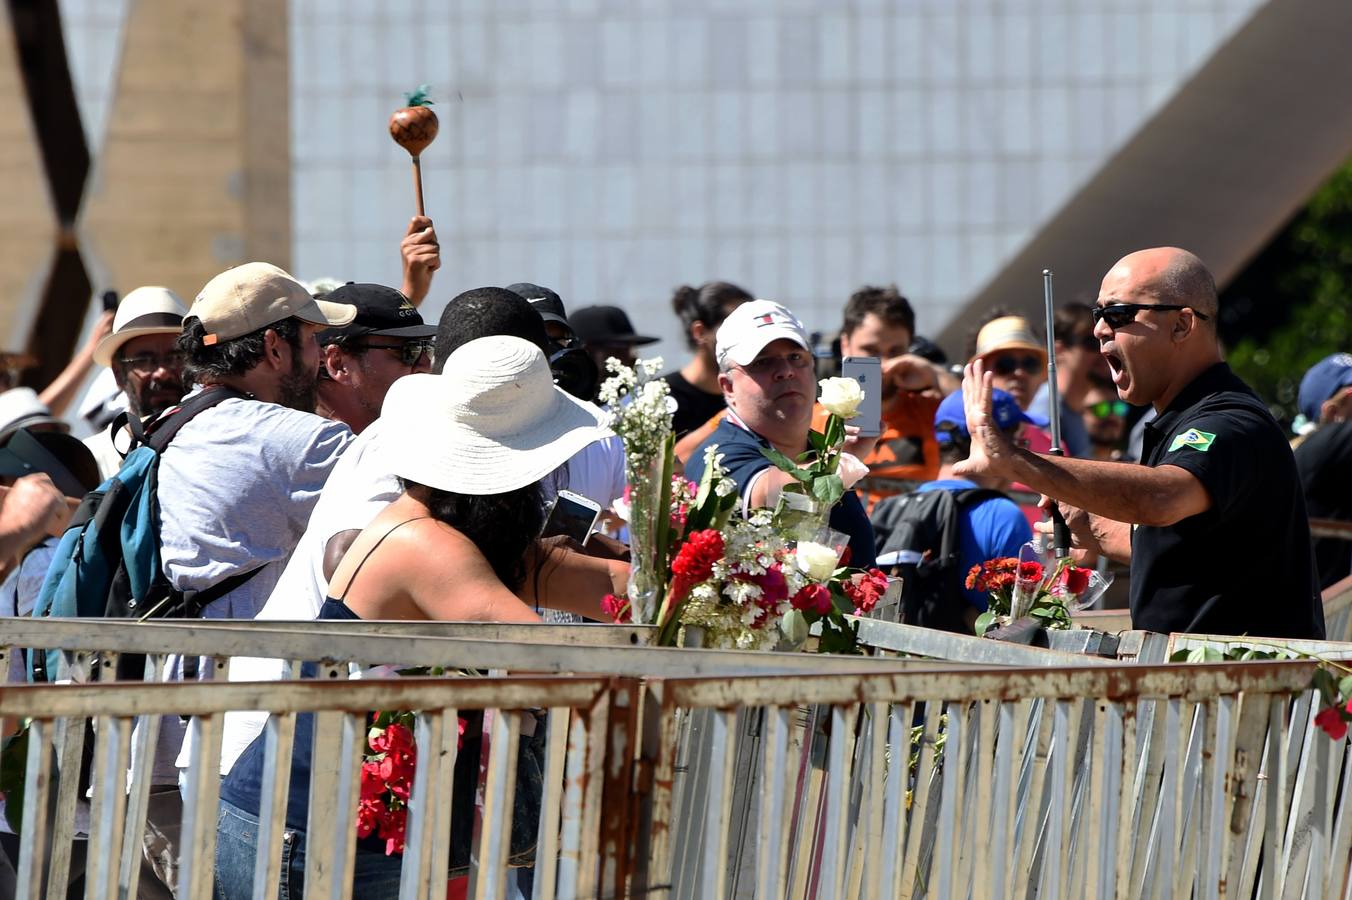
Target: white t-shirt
[(360, 486), (100, 443), (236, 488)]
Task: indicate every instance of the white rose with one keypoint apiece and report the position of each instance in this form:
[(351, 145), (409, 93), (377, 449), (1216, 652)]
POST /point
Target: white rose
[(816, 561), (841, 396)]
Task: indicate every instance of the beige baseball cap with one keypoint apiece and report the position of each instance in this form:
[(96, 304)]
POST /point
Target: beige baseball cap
[(255, 295)]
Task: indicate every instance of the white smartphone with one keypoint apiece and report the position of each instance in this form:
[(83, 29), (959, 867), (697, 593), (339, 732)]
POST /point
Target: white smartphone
[(868, 371), (573, 515)]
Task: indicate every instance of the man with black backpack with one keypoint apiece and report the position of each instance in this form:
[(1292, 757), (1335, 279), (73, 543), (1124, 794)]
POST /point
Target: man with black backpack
[(935, 534)]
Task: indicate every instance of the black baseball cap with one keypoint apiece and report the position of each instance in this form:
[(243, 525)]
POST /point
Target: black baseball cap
[(545, 302), (606, 325), (380, 310)]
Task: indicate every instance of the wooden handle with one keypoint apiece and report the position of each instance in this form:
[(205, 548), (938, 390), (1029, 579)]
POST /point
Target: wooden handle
[(417, 184)]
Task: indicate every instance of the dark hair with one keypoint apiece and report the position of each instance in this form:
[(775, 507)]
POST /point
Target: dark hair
[(227, 358), (502, 526), (483, 312), (958, 448), (1072, 321), (887, 303), (708, 304)]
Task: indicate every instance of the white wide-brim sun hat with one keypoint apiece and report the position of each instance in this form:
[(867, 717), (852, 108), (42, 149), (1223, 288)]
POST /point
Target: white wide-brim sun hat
[(491, 422)]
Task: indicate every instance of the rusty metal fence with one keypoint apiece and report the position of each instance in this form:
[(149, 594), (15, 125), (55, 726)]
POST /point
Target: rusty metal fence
[(687, 773)]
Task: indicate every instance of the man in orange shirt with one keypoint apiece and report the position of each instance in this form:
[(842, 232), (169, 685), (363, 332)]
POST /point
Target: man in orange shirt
[(879, 322)]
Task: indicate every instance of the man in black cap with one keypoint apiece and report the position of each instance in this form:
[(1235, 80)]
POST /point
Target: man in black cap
[(386, 341), (607, 332), (573, 368)]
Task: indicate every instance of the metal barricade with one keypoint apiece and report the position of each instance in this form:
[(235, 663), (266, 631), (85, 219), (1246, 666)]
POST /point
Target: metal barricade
[(1117, 781), (1002, 771)]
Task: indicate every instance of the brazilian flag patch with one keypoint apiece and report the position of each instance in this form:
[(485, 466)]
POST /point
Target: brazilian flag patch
[(1197, 440)]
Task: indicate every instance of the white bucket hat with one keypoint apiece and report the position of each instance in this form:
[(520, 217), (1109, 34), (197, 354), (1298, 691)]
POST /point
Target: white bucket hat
[(146, 310), (751, 327), (492, 422)]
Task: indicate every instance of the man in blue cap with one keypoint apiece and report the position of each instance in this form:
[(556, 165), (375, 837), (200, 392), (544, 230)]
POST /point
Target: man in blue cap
[(1324, 458), (989, 524)]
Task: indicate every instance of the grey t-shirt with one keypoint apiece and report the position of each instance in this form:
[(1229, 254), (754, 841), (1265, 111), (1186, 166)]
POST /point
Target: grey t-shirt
[(236, 488)]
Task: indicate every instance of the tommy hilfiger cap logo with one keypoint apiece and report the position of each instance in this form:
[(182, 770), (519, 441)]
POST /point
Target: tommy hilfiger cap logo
[(771, 318)]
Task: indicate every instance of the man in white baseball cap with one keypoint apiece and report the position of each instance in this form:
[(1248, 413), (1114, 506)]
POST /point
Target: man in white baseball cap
[(145, 364), (766, 372)]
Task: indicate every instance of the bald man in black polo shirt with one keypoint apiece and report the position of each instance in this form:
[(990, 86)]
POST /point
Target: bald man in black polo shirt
[(1213, 522)]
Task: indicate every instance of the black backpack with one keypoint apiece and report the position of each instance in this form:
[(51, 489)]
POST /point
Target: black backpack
[(922, 527)]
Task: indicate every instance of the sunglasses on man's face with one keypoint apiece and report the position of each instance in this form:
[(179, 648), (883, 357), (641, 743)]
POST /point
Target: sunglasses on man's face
[(409, 352), (1120, 315), (1005, 366), (1105, 408)]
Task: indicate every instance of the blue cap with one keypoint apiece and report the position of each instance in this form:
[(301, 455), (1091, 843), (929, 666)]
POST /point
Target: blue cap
[(950, 417), (1325, 378)]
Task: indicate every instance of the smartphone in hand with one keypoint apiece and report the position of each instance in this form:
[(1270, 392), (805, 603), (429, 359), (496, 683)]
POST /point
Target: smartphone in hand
[(868, 371), (573, 515)]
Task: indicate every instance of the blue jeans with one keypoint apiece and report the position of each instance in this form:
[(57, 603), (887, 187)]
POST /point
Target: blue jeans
[(374, 877)]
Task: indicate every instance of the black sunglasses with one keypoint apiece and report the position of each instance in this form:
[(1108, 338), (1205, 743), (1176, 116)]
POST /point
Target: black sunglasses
[(409, 352), (1007, 365), (1120, 315)]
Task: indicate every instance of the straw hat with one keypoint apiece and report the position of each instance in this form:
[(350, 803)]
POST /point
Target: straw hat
[(492, 422), (146, 310), (1008, 333)]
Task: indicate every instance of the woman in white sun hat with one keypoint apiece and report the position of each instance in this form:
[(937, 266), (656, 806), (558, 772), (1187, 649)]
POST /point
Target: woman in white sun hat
[(472, 446)]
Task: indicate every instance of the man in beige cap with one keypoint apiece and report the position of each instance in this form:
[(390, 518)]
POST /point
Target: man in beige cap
[(1014, 355), (146, 366), (238, 481)]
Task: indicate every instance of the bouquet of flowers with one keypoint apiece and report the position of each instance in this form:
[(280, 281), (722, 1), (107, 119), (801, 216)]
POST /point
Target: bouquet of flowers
[(818, 472), (1026, 586), (754, 583)]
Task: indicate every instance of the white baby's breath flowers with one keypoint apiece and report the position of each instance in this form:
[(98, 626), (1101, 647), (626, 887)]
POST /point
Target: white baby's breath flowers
[(816, 561), (841, 396)]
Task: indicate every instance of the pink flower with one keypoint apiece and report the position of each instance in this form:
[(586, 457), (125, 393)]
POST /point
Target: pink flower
[(368, 817), (615, 607), (774, 588)]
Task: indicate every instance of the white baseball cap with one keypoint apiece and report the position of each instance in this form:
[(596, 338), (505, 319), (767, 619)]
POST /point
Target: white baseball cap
[(146, 310), (492, 422), (255, 295), (749, 328)]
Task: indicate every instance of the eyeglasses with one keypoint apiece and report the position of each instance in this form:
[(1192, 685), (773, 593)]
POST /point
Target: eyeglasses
[(768, 365), (1008, 365), (409, 352), (149, 362), (1120, 315), (1105, 408)]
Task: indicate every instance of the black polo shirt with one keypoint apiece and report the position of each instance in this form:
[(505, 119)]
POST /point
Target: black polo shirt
[(1244, 566)]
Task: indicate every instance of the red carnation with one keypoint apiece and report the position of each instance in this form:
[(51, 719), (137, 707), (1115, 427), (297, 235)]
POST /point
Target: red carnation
[(1030, 571), (701, 550), (814, 598), (865, 590), (1331, 720), (372, 785), (973, 577)]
